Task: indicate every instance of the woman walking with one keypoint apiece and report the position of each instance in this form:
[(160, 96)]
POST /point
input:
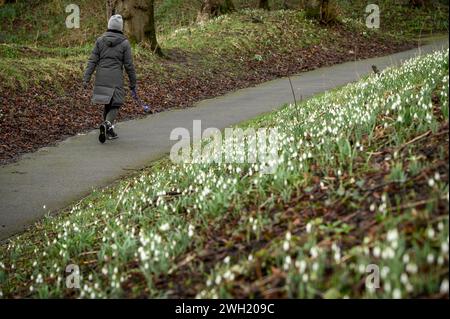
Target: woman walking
[(111, 54)]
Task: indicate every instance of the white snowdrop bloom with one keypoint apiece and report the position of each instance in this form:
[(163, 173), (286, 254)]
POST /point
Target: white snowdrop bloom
[(227, 260), (376, 252), (227, 275), (430, 233), (361, 268), (301, 265), (404, 278), (440, 260), (337, 256), (285, 245), (384, 272), (441, 226), (288, 236), (388, 253), (305, 278), (287, 262), (387, 286), (309, 227), (372, 207), (431, 182), (392, 235), (430, 258), (444, 286), (315, 266), (437, 177), (218, 280), (405, 258), (314, 252), (409, 287), (397, 294), (164, 227), (250, 257), (411, 268)]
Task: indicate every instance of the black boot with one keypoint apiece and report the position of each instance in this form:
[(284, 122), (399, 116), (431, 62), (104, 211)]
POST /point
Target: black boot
[(103, 131), (111, 134)]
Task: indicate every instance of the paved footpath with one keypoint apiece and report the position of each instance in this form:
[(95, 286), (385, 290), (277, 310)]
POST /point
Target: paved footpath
[(57, 176)]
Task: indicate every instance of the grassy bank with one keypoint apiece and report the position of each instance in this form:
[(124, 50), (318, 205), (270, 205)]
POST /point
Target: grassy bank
[(42, 23), (362, 179)]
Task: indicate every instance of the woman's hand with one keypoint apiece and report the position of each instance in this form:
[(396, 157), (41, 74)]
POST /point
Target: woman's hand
[(134, 93)]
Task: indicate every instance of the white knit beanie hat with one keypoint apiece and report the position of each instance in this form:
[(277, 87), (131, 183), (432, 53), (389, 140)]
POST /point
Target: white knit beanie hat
[(116, 23)]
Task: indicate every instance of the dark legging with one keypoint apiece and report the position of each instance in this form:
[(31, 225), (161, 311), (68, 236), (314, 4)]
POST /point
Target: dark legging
[(110, 113)]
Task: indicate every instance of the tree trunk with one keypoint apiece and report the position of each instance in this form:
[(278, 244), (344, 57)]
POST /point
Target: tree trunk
[(110, 8), (214, 8), (419, 3), (139, 21), (150, 30), (264, 4), (321, 10), (2, 2)]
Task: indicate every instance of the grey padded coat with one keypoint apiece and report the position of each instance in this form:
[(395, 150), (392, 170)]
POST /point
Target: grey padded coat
[(111, 54)]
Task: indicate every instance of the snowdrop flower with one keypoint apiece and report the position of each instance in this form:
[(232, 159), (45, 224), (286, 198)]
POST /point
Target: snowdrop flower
[(397, 294), (411, 268), (164, 227), (285, 245), (444, 286), (444, 248), (388, 253), (430, 233), (392, 235), (376, 252), (287, 262), (405, 258), (218, 280), (190, 231), (404, 278), (305, 278), (384, 272)]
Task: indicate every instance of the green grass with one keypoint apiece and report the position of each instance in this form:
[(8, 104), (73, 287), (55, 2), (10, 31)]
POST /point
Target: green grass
[(400, 20), (227, 230)]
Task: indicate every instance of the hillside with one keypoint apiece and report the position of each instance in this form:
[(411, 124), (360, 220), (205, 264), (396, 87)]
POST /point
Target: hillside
[(363, 182)]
